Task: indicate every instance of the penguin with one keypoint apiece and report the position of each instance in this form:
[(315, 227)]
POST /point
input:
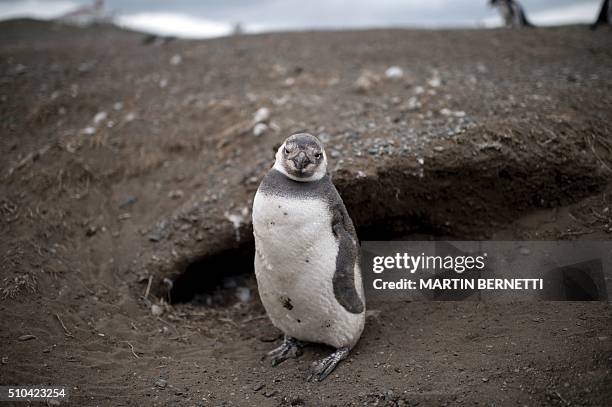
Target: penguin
[(307, 256), (604, 15), (512, 13)]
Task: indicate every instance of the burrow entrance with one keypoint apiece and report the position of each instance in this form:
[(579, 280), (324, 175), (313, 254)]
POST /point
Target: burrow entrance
[(396, 207), (218, 280), (228, 277)]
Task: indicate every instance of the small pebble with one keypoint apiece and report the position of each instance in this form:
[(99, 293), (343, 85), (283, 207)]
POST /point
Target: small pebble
[(177, 194), (394, 72), (91, 231), (270, 393), (100, 116), (261, 115), (90, 130), (156, 310), (260, 129), (176, 60)]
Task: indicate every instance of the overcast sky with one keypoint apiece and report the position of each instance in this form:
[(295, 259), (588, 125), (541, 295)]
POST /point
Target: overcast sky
[(206, 18)]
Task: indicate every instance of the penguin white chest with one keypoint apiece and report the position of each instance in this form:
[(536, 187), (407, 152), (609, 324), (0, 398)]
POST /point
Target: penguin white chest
[(295, 263), (287, 230)]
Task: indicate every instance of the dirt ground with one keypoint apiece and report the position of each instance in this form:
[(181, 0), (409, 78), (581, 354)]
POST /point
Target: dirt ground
[(128, 170)]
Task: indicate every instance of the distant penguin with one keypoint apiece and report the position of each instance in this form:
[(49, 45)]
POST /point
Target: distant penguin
[(307, 256), (512, 13), (604, 15)]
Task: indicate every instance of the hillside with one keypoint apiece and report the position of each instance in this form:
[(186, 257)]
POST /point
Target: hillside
[(126, 161)]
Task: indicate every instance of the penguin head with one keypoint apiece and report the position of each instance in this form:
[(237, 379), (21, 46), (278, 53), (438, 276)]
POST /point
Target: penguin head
[(302, 158)]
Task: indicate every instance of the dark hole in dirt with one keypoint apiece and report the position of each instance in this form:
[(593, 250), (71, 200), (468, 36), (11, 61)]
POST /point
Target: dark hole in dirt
[(226, 278), (579, 282), (219, 280)]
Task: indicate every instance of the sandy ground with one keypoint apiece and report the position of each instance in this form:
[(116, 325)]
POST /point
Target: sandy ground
[(123, 163)]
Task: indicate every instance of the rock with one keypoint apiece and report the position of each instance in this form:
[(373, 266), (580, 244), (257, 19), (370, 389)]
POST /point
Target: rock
[(260, 129), (373, 313), (435, 81), (269, 393), (493, 145), (365, 82), (262, 115), (389, 395), (175, 194), (161, 383), (53, 402), (394, 72), (259, 386), (99, 117), (91, 231), (157, 310), (27, 337), (243, 294), (413, 104), (176, 59), (89, 130), (456, 113)]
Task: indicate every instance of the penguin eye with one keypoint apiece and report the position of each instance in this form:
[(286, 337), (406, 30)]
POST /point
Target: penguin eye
[(286, 151), (317, 156)]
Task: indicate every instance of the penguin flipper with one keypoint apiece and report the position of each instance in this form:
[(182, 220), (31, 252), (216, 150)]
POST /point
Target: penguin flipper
[(348, 253)]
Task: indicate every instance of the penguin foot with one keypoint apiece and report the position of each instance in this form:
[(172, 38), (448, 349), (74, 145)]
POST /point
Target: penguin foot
[(320, 370), (290, 348)]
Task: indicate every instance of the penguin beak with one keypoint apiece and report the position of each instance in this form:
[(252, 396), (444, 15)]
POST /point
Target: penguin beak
[(301, 161)]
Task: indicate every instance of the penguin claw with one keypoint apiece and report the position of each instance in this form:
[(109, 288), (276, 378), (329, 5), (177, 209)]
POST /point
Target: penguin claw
[(290, 348), (320, 370)]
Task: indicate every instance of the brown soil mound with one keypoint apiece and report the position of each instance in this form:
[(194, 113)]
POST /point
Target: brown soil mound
[(129, 167)]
